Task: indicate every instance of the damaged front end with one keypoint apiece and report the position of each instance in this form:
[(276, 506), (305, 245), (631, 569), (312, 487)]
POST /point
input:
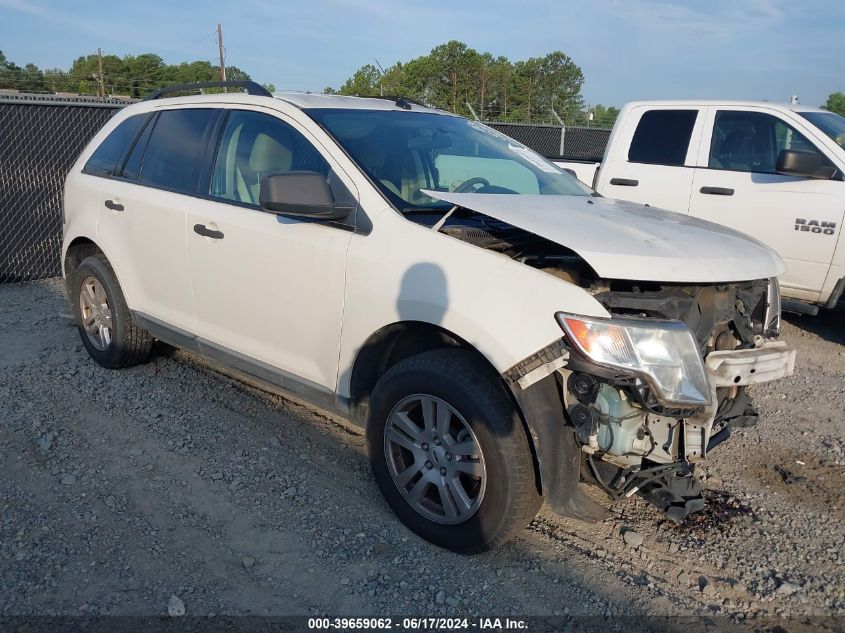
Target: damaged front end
[(633, 402), (646, 394)]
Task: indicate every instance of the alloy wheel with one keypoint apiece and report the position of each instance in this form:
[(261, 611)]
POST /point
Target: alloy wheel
[(434, 459), (96, 313)]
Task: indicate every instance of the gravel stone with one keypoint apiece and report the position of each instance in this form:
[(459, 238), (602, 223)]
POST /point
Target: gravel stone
[(787, 588), (175, 607), (45, 442), (632, 539)]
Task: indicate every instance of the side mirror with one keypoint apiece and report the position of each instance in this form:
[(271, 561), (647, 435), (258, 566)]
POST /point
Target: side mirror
[(300, 194), (793, 162)]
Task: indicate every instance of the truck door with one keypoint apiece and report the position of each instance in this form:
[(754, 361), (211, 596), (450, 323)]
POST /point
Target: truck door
[(737, 185), (653, 162)]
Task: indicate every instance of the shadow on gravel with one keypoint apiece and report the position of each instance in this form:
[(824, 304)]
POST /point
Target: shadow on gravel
[(827, 324)]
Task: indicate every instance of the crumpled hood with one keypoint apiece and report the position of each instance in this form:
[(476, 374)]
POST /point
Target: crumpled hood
[(625, 240)]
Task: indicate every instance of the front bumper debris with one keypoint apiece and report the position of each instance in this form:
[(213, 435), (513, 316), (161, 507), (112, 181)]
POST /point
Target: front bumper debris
[(737, 368)]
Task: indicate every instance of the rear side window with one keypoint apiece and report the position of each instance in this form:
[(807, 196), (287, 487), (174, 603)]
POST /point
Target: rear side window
[(106, 158), (132, 164), (662, 137), (174, 150)]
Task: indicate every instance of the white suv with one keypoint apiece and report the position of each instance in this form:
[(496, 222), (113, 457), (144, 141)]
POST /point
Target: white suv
[(500, 330)]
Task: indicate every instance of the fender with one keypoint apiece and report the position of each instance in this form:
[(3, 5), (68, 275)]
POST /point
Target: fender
[(556, 452)]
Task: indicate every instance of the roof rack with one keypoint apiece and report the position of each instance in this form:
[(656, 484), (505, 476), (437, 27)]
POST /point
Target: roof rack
[(251, 88)]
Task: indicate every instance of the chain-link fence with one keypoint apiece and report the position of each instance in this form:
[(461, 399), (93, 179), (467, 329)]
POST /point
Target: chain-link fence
[(555, 141), (40, 138), (42, 135)]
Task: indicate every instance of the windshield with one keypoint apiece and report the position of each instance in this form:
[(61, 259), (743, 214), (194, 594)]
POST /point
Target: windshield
[(830, 123), (405, 153)]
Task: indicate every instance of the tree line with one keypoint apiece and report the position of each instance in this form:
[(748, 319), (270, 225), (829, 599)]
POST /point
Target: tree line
[(836, 103), (460, 79), (452, 77), (129, 76)]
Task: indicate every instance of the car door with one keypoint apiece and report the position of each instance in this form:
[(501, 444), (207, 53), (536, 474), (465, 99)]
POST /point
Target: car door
[(737, 185), (269, 289), (144, 211), (652, 164)]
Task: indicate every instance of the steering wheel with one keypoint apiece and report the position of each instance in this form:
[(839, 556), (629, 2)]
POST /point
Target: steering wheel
[(467, 186)]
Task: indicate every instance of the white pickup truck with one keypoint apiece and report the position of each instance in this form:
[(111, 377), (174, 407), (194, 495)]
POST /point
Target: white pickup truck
[(771, 171)]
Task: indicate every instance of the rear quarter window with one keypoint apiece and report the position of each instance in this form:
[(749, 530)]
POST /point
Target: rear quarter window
[(105, 161), (175, 149), (662, 137)]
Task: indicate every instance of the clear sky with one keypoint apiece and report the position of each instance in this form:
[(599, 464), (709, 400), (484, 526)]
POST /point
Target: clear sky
[(628, 49)]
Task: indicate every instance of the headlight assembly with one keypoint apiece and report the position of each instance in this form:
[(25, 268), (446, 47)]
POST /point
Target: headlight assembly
[(664, 353)]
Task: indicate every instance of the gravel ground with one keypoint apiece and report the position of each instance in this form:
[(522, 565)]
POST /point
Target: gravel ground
[(123, 492)]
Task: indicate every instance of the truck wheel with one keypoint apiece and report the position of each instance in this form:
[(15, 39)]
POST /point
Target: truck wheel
[(106, 327), (449, 452)]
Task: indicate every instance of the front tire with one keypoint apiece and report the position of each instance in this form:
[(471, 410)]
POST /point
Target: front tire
[(449, 452), (105, 324)]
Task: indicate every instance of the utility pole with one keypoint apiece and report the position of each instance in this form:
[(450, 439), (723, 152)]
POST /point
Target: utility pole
[(101, 88), (220, 50)]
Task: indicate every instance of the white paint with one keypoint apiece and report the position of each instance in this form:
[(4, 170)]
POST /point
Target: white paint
[(741, 367), (764, 205), (305, 298), (622, 240)]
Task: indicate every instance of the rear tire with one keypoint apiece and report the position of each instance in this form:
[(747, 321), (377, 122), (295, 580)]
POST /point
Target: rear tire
[(106, 326), (462, 476)]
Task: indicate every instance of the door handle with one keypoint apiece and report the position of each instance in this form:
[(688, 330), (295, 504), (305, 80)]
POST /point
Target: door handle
[(114, 206), (717, 191), (202, 229), (624, 182)]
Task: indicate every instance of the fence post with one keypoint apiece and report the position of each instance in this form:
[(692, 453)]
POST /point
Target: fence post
[(562, 131)]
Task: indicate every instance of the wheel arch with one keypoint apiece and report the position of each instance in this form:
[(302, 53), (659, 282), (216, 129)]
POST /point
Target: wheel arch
[(402, 339), (77, 250)]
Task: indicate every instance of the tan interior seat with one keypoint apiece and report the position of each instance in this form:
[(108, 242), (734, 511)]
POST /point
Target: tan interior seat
[(267, 156)]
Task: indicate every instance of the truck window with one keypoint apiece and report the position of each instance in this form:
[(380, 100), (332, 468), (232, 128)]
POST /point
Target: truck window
[(830, 123), (662, 137), (106, 158), (175, 147), (751, 141)]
